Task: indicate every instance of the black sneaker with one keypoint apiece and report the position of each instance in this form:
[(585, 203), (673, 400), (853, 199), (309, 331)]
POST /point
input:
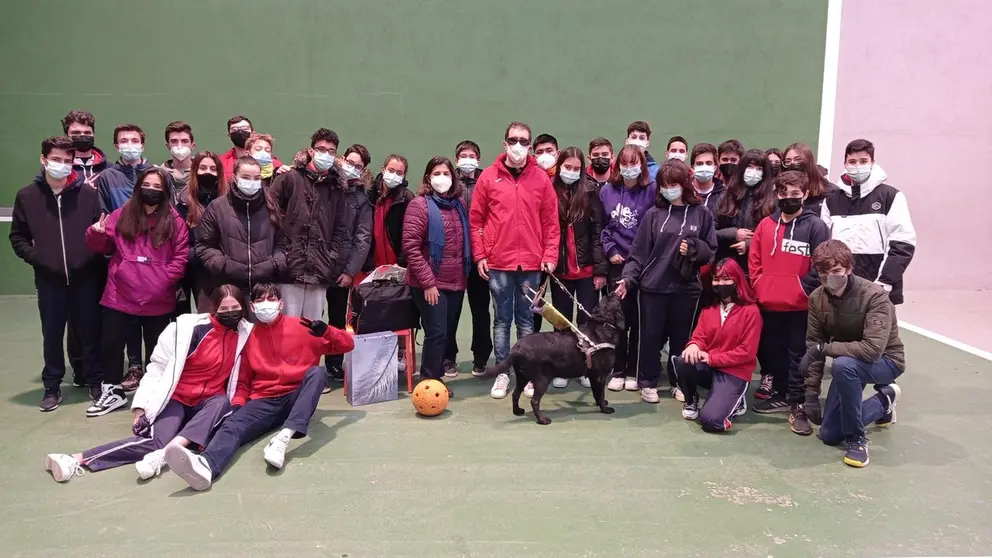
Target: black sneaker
[(132, 378), (857, 452), (51, 400), (450, 369), (889, 394), (798, 421), (774, 404), (111, 399), (336, 373), (764, 390), (690, 409)]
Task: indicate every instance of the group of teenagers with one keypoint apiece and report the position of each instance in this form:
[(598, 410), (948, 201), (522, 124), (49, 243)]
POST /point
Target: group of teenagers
[(729, 256)]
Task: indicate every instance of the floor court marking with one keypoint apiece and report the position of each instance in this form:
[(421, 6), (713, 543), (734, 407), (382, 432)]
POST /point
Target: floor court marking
[(946, 340)]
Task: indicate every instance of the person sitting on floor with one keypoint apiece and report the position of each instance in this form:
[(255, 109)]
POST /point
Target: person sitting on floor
[(279, 386), (184, 394), (722, 352), (853, 321)]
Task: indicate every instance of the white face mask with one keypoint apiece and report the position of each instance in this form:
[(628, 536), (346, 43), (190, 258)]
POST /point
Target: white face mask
[(630, 173), (249, 187), (703, 173), (351, 171), (441, 183), (676, 155), (546, 161), (467, 164), (180, 152), (517, 153), (569, 177), (643, 144), (266, 311), (57, 170), (752, 176), (391, 179), (858, 173)]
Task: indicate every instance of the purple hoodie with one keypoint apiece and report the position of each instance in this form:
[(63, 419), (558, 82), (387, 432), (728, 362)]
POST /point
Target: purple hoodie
[(625, 208)]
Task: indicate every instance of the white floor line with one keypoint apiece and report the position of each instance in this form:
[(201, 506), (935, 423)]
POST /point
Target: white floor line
[(828, 96), (946, 340)]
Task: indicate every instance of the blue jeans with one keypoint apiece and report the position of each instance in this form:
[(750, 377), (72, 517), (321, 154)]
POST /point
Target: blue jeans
[(511, 304), (845, 414)]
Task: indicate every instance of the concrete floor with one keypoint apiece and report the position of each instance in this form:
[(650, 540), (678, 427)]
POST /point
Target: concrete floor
[(477, 481)]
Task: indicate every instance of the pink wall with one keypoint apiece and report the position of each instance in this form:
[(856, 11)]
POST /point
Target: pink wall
[(915, 78)]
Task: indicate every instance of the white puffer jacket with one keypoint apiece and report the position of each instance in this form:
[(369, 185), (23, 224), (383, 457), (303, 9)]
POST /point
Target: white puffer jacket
[(169, 359)]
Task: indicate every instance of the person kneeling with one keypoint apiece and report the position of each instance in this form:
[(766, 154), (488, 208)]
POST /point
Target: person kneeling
[(851, 320), (722, 352), (278, 387), (181, 397)]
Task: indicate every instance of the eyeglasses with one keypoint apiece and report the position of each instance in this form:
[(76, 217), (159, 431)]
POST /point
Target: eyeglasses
[(324, 150), (522, 141)]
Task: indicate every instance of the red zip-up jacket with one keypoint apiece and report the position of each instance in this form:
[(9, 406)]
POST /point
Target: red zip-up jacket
[(733, 345), (277, 355), (514, 221)]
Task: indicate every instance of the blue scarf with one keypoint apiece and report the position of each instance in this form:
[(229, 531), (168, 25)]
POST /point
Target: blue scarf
[(435, 230)]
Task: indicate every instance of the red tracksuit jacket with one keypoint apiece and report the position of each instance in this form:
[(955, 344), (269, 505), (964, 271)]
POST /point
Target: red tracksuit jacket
[(732, 346)]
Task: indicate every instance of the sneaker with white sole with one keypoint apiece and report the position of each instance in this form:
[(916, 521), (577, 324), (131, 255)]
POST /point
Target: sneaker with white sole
[(112, 397), (275, 451), (478, 371), (188, 466), (890, 396), (584, 382), (529, 389), (616, 383), (63, 466), (650, 395), (676, 392), (151, 465), (630, 383), (450, 369), (559, 383), (765, 389), (690, 409), (499, 386), (741, 408)]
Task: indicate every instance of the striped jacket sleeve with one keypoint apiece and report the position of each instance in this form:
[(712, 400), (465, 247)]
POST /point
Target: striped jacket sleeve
[(901, 238)]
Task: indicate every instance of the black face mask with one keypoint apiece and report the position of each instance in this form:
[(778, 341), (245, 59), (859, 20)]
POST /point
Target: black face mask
[(82, 143), (727, 170), (206, 181), (776, 167), (600, 164), (790, 206), (229, 319), (151, 197), (724, 292), (239, 138)]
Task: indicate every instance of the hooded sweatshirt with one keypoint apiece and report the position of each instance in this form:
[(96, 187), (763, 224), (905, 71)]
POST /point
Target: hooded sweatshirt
[(711, 198), (625, 208), (873, 220), (654, 263), (116, 184), (780, 261), (90, 167)]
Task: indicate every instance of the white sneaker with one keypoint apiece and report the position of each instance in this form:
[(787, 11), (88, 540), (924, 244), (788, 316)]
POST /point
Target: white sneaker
[(112, 397), (649, 395), (151, 465), (499, 386), (529, 389), (584, 382), (401, 365), (616, 384), (190, 467), (741, 409), (560, 383), (63, 467), (677, 394), (630, 383), (275, 452)]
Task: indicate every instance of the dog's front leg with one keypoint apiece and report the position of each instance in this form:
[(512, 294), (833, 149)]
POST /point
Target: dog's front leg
[(598, 391), (540, 387)]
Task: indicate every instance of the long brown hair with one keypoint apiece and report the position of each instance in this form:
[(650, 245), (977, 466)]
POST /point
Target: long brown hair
[(134, 221), (573, 202), (644, 179), (275, 214), (425, 183), (763, 196), (195, 208), (817, 184)]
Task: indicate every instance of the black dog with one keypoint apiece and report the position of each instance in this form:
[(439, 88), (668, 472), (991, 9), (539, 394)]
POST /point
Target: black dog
[(539, 357)]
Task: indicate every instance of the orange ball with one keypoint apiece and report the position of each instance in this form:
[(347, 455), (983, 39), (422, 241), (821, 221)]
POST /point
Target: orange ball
[(430, 398)]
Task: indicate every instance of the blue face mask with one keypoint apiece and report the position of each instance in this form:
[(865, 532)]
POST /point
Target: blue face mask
[(263, 157), (630, 173), (671, 194), (131, 152), (703, 173), (323, 161)]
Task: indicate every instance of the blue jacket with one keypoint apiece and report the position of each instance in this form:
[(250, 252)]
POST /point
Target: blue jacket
[(653, 166), (655, 264), (625, 208), (116, 184)]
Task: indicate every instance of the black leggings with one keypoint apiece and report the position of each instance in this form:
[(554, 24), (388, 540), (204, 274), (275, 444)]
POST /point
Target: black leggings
[(664, 317), (583, 290), (117, 328), (626, 360)]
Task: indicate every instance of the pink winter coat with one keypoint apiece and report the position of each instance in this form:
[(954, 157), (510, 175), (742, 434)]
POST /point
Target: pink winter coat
[(451, 273), (142, 280)]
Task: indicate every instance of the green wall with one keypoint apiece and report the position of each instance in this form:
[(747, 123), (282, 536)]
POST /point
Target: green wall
[(410, 76)]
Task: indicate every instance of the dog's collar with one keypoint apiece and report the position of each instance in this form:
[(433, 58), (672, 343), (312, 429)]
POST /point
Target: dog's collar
[(588, 350)]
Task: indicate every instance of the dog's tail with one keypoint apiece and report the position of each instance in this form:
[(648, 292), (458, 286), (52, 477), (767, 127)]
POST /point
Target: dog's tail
[(497, 369)]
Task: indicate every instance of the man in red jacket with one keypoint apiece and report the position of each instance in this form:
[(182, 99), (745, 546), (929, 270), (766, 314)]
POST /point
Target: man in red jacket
[(515, 234), (279, 383)]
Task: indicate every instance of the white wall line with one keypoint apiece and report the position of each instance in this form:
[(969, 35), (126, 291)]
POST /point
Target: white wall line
[(946, 340), (828, 97), (5, 219)]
